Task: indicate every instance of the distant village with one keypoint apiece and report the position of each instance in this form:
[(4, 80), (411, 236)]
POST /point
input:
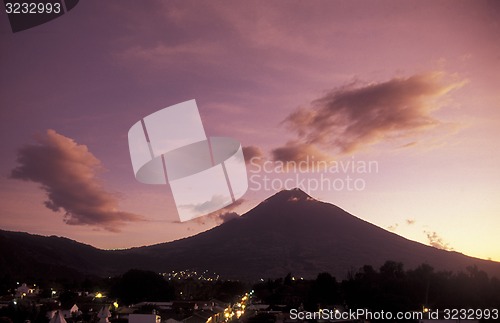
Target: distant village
[(190, 296), (51, 306), (98, 307)]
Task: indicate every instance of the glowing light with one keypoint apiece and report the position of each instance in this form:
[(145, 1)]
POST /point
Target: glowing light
[(98, 295), (115, 304)]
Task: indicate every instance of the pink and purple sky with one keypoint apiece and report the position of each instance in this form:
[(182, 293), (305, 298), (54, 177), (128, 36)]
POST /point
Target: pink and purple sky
[(412, 86)]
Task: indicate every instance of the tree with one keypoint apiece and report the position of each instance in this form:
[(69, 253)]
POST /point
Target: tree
[(138, 285), (324, 291), (68, 299)]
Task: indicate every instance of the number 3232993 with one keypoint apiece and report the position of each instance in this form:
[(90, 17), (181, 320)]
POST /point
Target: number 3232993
[(31, 7)]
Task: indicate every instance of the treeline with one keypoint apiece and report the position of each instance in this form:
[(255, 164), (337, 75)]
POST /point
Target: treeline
[(390, 288), (138, 286)]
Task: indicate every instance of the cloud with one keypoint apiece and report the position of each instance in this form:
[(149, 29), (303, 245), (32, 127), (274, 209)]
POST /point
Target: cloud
[(297, 151), (228, 216), (350, 118), (252, 152), (205, 207), (68, 173), (393, 227), (223, 215), (409, 144), (436, 241), (164, 55)]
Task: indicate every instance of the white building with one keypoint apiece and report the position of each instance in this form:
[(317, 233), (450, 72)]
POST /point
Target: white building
[(24, 290)]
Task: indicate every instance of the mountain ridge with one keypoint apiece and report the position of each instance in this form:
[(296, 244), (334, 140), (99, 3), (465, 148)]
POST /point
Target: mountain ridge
[(288, 232)]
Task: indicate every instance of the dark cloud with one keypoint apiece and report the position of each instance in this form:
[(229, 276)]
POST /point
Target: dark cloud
[(297, 151), (349, 118), (252, 152), (436, 241), (221, 216), (228, 216), (68, 173)]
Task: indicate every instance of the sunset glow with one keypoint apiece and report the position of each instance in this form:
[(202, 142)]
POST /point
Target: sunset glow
[(407, 89)]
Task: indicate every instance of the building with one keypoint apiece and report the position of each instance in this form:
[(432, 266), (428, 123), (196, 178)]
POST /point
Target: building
[(26, 291)]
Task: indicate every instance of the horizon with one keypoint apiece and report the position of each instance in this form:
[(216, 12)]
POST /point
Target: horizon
[(388, 110), (263, 201)]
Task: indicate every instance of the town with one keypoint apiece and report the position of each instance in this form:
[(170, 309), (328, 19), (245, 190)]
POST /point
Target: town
[(203, 296)]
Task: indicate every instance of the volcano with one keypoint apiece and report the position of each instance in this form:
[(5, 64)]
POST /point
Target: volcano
[(290, 232)]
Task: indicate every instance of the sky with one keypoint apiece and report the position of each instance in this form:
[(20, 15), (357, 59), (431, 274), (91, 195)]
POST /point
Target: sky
[(387, 109)]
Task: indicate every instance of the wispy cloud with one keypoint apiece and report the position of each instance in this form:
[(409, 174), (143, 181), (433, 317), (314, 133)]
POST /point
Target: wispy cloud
[(436, 241), (166, 55), (67, 172), (393, 227), (353, 117), (207, 206), (223, 215), (410, 221), (299, 151)]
